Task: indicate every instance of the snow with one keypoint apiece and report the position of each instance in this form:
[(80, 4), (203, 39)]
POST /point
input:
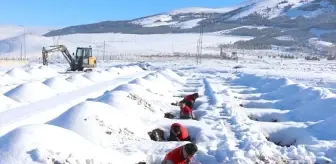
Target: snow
[(268, 111), (188, 24), (79, 80), (59, 84), (324, 6), (118, 44), (248, 27), (269, 8), (284, 38), (201, 10), (30, 92), (152, 21), (18, 73)]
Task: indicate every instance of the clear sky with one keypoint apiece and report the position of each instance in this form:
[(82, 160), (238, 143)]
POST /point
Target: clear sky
[(58, 13)]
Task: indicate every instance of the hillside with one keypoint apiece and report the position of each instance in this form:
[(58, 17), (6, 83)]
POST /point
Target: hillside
[(299, 20)]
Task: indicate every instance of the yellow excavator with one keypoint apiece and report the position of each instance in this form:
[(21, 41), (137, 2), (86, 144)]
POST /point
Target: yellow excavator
[(81, 61)]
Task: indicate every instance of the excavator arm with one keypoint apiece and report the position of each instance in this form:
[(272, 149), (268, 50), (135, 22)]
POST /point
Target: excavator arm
[(64, 52)]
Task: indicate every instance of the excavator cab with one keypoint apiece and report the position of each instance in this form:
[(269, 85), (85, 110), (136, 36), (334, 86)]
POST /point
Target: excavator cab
[(84, 58)]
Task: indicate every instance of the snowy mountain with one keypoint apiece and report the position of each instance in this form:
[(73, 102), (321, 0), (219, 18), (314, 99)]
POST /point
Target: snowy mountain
[(268, 20)]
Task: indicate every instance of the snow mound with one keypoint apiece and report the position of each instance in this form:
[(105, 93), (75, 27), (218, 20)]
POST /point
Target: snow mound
[(315, 110), (263, 84), (172, 76), (49, 72), (107, 75), (18, 73), (79, 80), (42, 143), (59, 84), (274, 84), (130, 102), (36, 73), (94, 76), (102, 124), (153, 86), (249, 80), (284, 91), (305, 96), (30, 92), (6, 80), (322, 129), (114, 70), (156, 81), (6, 103)]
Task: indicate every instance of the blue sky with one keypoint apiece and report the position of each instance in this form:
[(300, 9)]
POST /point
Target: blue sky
[(58, 13)]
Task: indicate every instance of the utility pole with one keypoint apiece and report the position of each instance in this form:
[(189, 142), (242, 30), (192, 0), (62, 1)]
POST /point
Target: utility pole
[(199, 46), (24, 41), (21, 52), (104, 51), (25, 52)]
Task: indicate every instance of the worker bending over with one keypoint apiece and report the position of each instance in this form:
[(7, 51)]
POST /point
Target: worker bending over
[(190, 100), (178, 133), (185, 111), (181, 155)]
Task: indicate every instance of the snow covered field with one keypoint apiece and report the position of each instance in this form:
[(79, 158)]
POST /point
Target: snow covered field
[(267, 112)]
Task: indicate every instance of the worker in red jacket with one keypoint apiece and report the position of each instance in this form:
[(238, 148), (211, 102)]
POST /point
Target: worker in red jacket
[(185, 111), (178, 133), (181, 155), (190, 99)]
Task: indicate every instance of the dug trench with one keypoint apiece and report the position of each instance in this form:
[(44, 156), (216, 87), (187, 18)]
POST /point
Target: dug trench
[(188, 88), (263, 111)]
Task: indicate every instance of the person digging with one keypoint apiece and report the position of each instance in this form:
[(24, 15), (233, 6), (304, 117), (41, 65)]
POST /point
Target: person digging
[(181, 155), (178, 133), (190, 100), (186, 112)]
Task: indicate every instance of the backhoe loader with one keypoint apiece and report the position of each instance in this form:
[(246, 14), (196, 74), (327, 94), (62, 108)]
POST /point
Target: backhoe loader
[(81, 61)]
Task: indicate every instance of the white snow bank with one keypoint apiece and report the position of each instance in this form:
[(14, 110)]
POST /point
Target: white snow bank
[(59, 84), (315, 110), (130, 103), (274, 84), (263, 84), (201, 10), (171, 75), (6, 103), (303, 97), (42, 143), (114, 70), (30, 92), (18, 73), (188, 24), (79, 80), (284, 91), (5, 79), (36, 73), (94, 76), (102, 124), (323, 130), (152, 20)]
